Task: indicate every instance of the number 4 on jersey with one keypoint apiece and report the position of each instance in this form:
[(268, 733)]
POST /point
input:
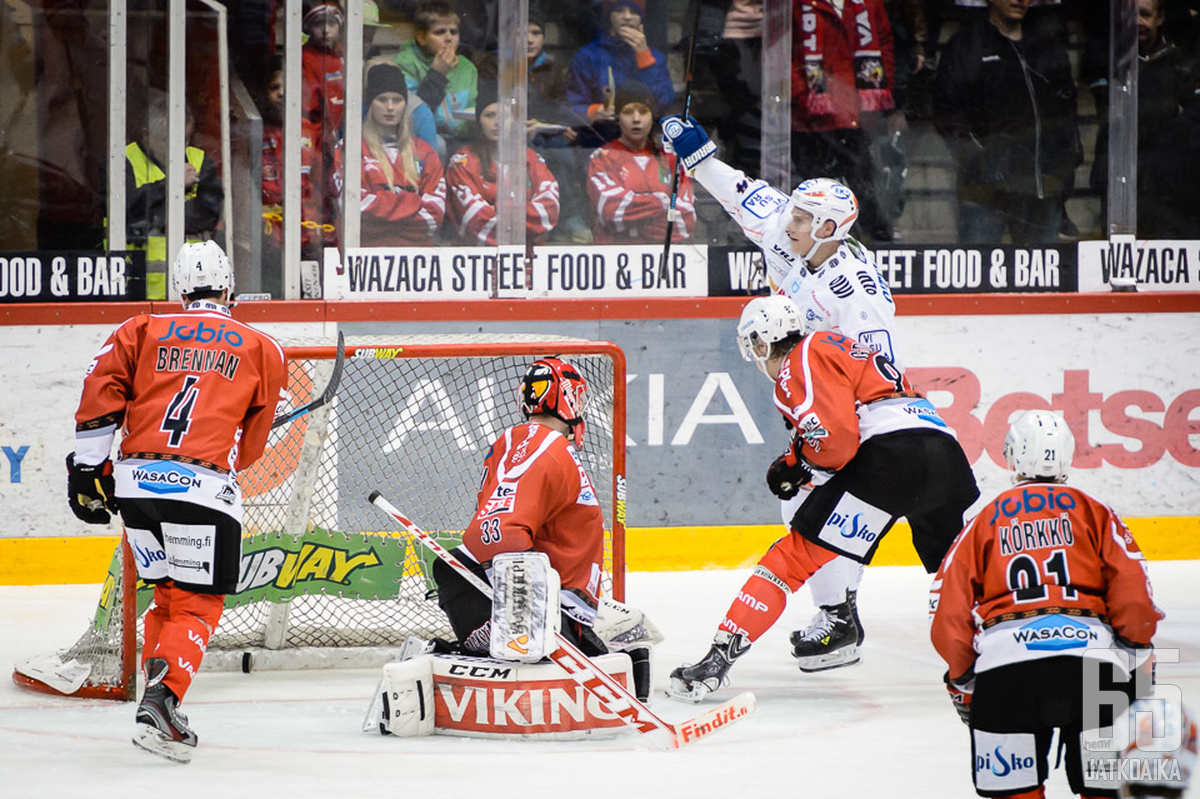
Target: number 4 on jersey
[(178, 418)]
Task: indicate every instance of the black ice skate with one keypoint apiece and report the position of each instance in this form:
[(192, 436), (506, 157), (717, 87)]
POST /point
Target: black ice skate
[(693, 683), (159, 726), (832, 639)]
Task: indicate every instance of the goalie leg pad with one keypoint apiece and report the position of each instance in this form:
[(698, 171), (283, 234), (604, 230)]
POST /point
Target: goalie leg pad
[(406, 698), (525, 607)]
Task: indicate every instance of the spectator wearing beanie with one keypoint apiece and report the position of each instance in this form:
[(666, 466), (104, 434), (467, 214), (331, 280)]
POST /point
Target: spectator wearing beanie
[(471, 179), (629, 179), (618, 54), (403, 189)]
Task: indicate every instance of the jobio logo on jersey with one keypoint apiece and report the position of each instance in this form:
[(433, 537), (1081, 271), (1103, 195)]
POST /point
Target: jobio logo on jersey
[(165, 478), (1002, 764), (202, 334), (1055, 634)]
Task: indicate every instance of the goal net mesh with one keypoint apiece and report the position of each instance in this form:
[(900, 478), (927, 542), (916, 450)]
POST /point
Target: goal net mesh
[(326, 578)]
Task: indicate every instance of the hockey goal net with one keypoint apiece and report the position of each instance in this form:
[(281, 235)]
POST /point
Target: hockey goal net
[(326, 579)]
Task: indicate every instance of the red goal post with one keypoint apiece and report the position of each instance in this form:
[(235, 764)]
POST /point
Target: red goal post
[(326, 580)]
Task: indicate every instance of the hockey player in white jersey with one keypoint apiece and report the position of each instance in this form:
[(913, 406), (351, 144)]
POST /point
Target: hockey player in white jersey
[(810, 257)]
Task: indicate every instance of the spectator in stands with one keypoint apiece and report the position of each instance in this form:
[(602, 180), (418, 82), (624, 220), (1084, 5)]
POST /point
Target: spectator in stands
[(557, 136), (1004, 102), (618, 54), (471, 179), (443, 79), (315, 228), (843, 73), (146, 192), (403, 189), (727, 87), (323, 69), (629, 179), (1168, 117)]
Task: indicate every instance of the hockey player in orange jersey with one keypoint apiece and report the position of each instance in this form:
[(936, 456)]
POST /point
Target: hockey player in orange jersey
[(1043, 580), (535, 495), (194, 394), (873, 450)]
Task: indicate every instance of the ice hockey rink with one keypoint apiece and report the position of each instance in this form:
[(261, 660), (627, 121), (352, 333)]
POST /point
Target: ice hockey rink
[(882, 728)]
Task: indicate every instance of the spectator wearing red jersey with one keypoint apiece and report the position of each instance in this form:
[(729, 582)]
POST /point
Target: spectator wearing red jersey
[(629, 179), (403, 188), (471, 182), (842, 78)]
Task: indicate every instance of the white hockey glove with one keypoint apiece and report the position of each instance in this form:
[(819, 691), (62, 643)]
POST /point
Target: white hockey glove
[(685, 138), (622, 628)]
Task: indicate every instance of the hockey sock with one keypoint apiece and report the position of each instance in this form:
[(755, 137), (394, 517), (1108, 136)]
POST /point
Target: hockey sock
[(184, 636), (831, 582), (156, 617), (757, 607)]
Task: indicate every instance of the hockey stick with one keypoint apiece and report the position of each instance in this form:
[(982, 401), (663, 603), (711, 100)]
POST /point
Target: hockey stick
[(687, 108), (612, 695), (325, 396)]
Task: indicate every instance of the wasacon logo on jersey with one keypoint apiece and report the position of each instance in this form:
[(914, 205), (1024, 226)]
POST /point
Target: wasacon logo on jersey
[(1055, 634), (553, 706), (165, 478)]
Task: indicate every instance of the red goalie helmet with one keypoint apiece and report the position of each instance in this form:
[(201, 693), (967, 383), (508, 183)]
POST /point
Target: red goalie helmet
[(556, 387)]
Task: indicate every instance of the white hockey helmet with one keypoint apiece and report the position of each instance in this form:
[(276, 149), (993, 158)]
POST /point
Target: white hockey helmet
[(764, 321), (1039, 445), (201, 266), (827, 201)]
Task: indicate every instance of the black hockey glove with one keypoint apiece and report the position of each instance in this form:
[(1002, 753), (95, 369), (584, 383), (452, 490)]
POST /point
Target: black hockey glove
[(787, 474), (91, 490)]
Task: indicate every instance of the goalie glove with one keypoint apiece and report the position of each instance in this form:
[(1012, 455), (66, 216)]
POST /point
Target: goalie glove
[(961, 691), (787, 474), (686, 139), (91, 490), (622, 628)]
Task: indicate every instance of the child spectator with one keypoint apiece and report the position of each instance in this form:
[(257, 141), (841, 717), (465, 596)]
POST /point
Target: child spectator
[(629, 179), (471, 181), (403, 191), (323, 70), (436, 73), (314, 230), (618, 54)]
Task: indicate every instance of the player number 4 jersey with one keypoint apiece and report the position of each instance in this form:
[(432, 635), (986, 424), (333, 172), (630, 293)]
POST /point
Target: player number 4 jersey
[(1044, 570), (195, 394)]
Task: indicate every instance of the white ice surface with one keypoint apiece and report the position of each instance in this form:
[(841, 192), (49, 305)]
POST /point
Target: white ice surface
[(882, 728)]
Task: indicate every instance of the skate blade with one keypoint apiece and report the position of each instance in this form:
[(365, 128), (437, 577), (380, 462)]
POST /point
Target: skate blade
[(677, 690), (157, 742), (847, 656)]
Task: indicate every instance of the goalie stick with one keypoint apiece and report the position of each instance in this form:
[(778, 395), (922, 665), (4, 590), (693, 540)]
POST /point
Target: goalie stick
[(613, 696), (325, 396)]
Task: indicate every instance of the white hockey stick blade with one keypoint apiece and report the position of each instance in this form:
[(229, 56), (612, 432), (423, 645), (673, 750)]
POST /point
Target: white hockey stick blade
[(614, 696)]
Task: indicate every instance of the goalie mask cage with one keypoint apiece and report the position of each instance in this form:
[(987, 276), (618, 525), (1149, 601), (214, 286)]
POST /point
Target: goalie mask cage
[(327, 579)]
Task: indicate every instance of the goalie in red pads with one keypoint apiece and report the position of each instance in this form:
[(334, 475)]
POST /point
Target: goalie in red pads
[(1042, 581), (872, 448), (194, 394)]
